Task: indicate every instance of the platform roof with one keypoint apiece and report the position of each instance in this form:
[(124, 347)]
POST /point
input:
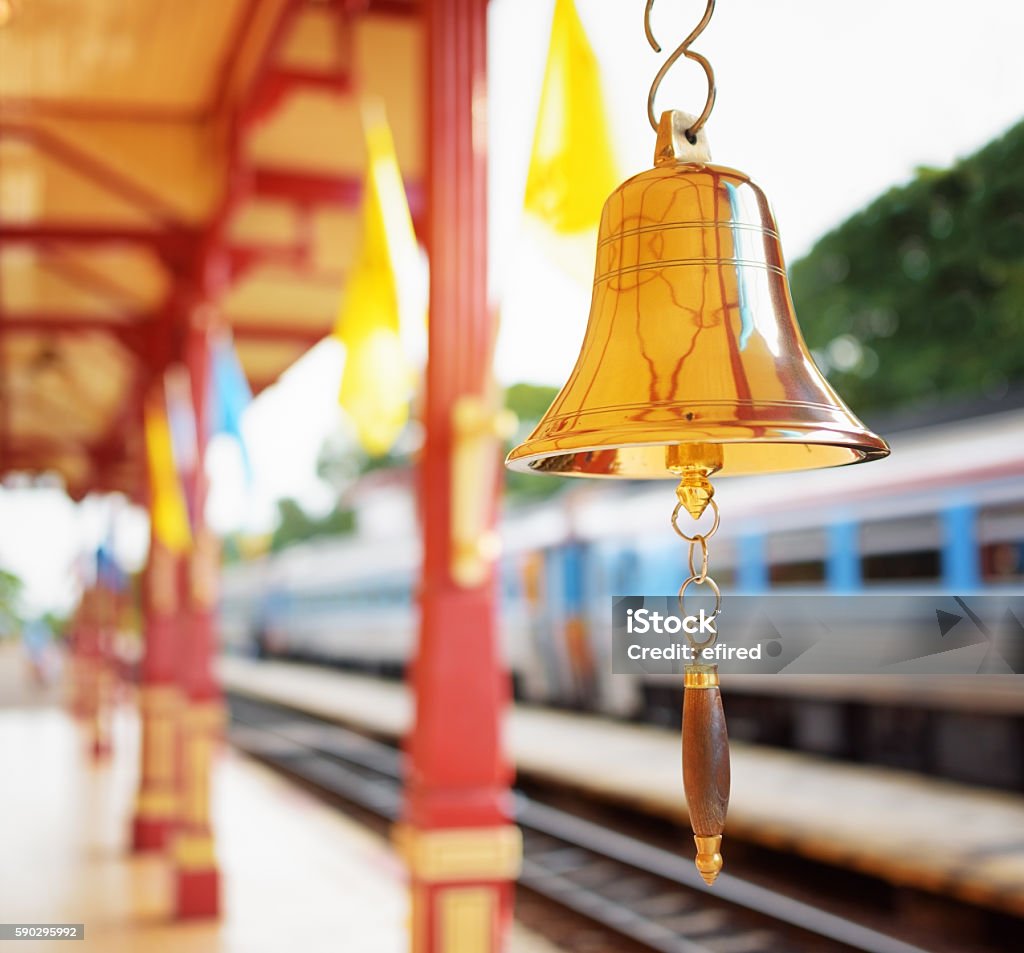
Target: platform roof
[(135, 137)]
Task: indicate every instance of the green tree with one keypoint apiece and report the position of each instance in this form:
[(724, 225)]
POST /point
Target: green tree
[(10, 603), (920, 296), (296, 526), (529, 402)]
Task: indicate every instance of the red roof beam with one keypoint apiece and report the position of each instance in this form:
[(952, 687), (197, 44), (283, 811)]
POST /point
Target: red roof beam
[(306, 188), (397, 8), (281, 82), (168, 244), (255, 102), (44, 322), (135, 333)]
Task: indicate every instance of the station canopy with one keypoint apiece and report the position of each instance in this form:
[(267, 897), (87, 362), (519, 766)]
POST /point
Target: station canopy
[(141, 145)]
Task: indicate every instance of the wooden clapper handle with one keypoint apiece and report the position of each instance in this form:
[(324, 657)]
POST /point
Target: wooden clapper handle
[(705, 765)]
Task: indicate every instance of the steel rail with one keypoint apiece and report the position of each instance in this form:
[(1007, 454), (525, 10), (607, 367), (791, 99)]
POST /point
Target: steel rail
[(324, 754)]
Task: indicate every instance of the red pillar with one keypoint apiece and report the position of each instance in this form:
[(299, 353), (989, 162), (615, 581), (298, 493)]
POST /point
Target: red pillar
[(106, 675), (77, 641), (197, 874), (159, 701), (91, 671), (462, 852)]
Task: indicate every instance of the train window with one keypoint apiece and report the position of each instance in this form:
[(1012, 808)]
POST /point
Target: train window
[(1001, 534), (909, 534), (797, 573), (1002, 562), (918, 564)]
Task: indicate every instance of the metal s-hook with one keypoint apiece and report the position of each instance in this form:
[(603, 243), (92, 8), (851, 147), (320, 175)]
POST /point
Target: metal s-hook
[(682, 50)]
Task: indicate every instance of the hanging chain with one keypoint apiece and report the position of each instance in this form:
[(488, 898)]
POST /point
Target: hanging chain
[(699, 576), (682, 50)]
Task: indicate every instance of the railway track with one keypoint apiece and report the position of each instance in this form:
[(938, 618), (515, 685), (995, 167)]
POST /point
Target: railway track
[(632, 890)]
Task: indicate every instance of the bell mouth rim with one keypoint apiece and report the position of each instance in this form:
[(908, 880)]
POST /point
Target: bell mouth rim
[(864, 446)]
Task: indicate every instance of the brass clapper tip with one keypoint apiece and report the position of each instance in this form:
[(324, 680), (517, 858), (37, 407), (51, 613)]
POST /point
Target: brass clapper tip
[(695, 492), (709, 857)]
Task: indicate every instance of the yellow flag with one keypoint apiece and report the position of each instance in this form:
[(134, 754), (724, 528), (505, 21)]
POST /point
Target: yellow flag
[(376, 383), (169, 513), (572, 166)]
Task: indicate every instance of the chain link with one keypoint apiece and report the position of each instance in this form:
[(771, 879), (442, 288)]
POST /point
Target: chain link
[(699, 542)]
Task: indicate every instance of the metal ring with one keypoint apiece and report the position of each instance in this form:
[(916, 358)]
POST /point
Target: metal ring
[(682, 50), (703, 574), (707, 580), (692, 539)]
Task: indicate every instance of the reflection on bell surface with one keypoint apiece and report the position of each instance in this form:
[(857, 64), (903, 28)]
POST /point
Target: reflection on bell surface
[(692, 340)]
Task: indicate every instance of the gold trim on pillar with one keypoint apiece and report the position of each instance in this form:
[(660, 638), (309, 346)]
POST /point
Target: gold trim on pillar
[(465, 853), (157, 706), (158, 698), (465, 921), (479, 424), (194, 852), (156, 804), (204, 569), (162, 580), (199, 745), (419, 918), (209, 715)]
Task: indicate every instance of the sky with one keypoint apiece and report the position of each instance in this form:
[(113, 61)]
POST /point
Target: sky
[(824, 105)]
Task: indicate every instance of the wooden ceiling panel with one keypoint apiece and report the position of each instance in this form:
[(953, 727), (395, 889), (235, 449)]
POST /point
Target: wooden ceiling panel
[(312, 131), (128, 278), (264, 362), (161, 55), (319, 41), (390, 62), (172, 170), (336, 234), (265, 221), (66, 388), (29, 284), (36, 187), (278, 297)]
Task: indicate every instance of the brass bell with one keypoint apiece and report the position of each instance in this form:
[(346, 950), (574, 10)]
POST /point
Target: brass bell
[(692, 365), (692, 358)]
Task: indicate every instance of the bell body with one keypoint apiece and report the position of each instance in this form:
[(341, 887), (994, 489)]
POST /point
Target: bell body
[(692, 355)]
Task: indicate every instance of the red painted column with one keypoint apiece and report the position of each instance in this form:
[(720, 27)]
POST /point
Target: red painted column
[(197, 874), (79, 690), (106, 675), (159, 701), (462, 852), (91, 670)]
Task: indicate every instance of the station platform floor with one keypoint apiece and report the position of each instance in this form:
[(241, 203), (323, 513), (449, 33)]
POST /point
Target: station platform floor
[(945, 838), (296, 873)]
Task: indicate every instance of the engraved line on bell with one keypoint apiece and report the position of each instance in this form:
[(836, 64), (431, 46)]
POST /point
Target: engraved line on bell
[(658, 264), (696, 224)]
